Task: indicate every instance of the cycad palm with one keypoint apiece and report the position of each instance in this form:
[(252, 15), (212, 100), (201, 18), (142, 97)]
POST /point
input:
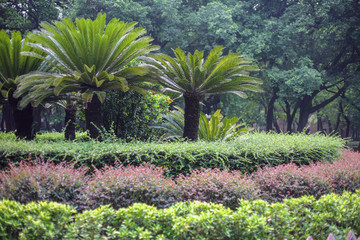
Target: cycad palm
[(12, 66), (92, 57), (192, 76)]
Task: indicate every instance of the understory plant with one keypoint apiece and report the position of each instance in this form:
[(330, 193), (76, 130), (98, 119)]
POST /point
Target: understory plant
[(215, 127)]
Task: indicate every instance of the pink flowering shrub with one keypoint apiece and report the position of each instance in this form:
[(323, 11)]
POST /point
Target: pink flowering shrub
[(342, 174), (213, 185), (39, 181), (289, 181), (122, 186), (317, 179)]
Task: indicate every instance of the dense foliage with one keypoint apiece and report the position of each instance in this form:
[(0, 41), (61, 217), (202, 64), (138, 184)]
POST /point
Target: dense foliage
[(121, 186), (130, 115), (292, 219), (246, 153)]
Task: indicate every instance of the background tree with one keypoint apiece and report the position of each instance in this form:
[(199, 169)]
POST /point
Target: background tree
[(192, 76), (26, 15)]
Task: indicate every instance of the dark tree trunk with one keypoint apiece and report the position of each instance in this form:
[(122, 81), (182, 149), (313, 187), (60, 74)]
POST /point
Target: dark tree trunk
[(270, 112), (347, 120), (23, 119), (37, 118), (93, 116), (210, 103), (7, 121), (70, 118), (192, 116), (276, 125), (348, 124), (290, 115), (337, 122), (305, 111)]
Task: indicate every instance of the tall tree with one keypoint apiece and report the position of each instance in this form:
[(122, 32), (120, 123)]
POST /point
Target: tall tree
[(92, 57), (192, 76), (26, 15), (304, 48)]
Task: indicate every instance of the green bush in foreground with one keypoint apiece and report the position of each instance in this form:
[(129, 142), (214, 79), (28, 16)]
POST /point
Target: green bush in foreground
[(246, 153), (292, 219)]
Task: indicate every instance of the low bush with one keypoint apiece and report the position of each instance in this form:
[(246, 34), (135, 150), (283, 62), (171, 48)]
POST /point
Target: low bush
[(59, 136), (293, 219), (33, 221), (216, 186), (317, 179), (246, 153), (42, 181), (122, 186)]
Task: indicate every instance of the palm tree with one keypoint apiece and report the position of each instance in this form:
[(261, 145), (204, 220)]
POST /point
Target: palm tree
[(192, 77), (92, 57), (12, 66), (34, 89)]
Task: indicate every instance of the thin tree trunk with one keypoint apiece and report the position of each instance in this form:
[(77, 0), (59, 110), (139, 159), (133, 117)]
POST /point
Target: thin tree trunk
[(305, 111), (37, 118), (23, 119), (290, 115), (276, 125), (93, 116), (70, 118), (337, 122), (347, 120), (192, 115), (319, 124), (270, 112)]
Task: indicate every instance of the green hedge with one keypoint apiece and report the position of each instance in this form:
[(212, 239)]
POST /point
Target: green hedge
[(292, 219), (246, 153)]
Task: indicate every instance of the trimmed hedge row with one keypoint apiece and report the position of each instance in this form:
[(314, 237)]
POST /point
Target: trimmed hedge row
[(292, 219), (121, 186), (246, 153)]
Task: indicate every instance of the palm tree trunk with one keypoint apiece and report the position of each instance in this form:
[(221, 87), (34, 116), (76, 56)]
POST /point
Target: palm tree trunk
[(23, 119), (192, 116), (93, 116), (7, 121), (70, 118)]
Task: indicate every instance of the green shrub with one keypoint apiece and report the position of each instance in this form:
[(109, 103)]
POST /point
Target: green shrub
[(246, 153), (59, 136), (41, 220), (130, 114), (292, 219)]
